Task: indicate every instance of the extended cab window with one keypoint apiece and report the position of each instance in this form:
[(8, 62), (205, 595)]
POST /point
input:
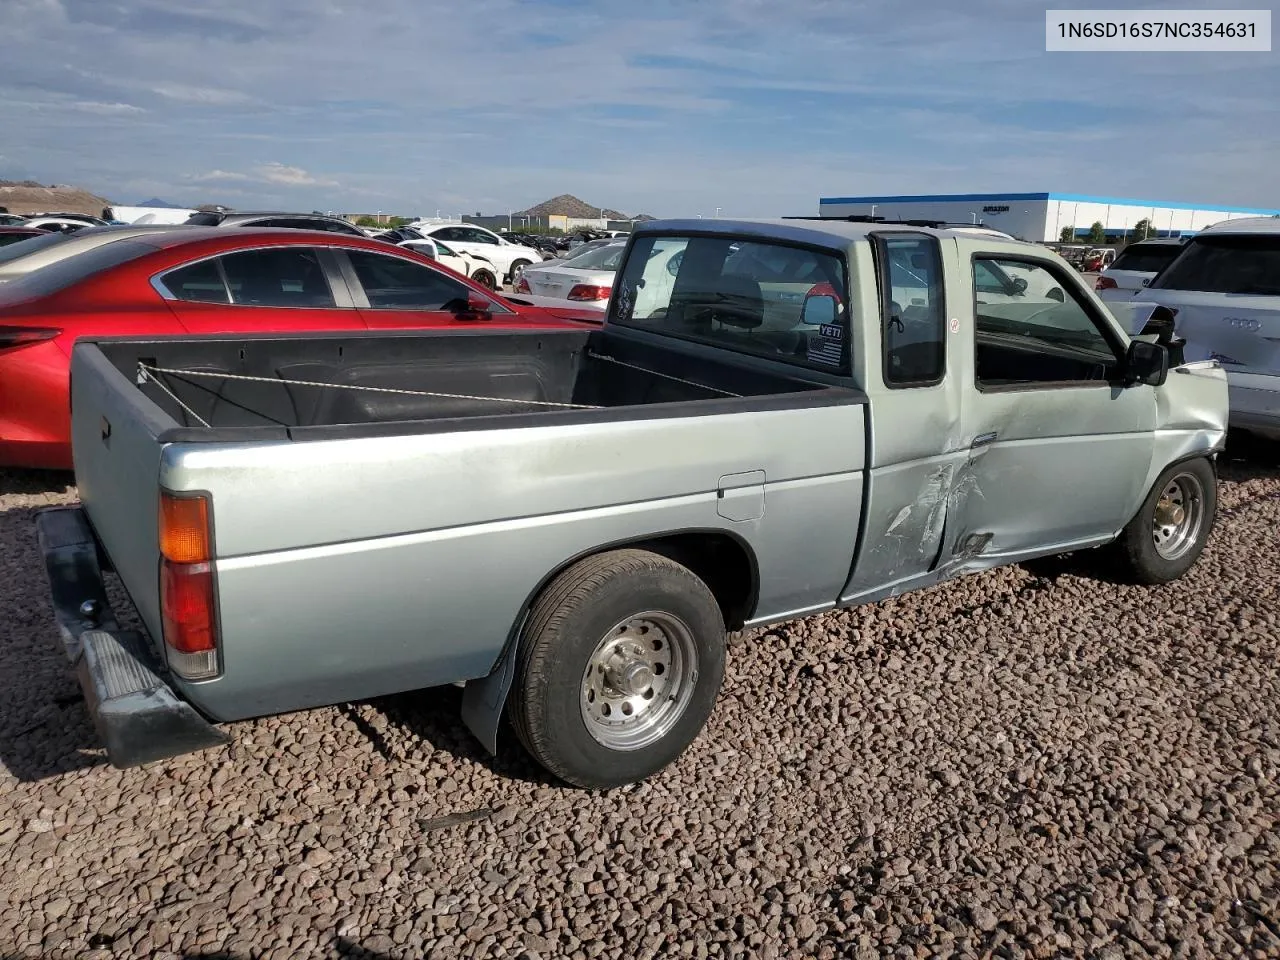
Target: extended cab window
[(740, 295), (391, 283), (914, 329), (1034, 330)]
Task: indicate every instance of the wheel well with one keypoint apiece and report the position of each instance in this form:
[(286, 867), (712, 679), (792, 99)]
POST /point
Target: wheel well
[(720, 561)]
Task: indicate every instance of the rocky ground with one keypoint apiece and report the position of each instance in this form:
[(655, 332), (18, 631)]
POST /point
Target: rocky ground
[(1022, 764)]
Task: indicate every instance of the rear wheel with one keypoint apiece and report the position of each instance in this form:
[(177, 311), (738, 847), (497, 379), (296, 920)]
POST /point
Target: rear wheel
[(619, 666), (486, 279), (1169, 532)]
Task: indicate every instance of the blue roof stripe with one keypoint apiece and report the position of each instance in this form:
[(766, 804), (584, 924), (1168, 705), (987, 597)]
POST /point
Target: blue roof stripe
[(1064, 197)]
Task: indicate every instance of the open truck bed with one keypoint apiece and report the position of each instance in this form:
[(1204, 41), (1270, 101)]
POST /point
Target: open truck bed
[(382, 507)]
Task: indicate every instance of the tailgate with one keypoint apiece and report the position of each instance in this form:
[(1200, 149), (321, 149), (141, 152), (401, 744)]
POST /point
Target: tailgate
[(117, 463)]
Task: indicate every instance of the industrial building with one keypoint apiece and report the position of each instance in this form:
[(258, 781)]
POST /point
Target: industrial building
[(1042, 217)]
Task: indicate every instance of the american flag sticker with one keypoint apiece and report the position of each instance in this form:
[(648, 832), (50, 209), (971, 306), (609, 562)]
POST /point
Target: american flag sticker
[(826, 351)]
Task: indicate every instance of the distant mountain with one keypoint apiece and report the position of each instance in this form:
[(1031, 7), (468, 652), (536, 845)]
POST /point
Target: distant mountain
[(164, 204), (567, 205)]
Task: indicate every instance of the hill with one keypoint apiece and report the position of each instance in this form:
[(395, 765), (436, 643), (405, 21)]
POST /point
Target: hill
[(567, 205), (27, 196)]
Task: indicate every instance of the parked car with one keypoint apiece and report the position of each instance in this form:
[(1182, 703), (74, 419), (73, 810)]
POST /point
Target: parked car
[(567, 521), (510, 258), (585, 278), (12, 235), (1224, 287), (207, 280), (566, 256), (12, 220), (1099, 258), (1135, 267), (274, 218), (478, 268), (44, 248), (57, 224)]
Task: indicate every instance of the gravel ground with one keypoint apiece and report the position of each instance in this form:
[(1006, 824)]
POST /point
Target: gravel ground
[(1015, 765)]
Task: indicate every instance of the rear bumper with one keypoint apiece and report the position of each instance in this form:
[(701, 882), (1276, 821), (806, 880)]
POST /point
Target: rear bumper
[(1255, 403), (136, 713)]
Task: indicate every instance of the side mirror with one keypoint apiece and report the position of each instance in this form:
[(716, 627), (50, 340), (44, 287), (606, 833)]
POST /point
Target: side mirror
[(1019, 285), (1146, 362), (1057, 294), (818, 309)]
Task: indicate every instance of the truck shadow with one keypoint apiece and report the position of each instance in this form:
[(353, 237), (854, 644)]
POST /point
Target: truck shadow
[(341, 949), (435, 716), (45, 730)]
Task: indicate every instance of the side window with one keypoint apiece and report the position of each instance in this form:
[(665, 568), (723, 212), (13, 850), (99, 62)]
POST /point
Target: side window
[(1031, 329), (479, 236), (450, 234), (279, 277), (391, 283), (914, 325), (200, 282)]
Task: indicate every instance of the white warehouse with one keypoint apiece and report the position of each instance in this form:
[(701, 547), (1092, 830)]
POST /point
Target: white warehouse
[(1042, 217)]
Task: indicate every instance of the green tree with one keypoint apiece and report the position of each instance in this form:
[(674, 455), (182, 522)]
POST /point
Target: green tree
[(1097, 233), (1141, 230), (1067, 235)]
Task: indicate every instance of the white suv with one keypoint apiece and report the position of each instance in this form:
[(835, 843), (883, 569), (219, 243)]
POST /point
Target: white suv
[(510, 258), (1225, 290)]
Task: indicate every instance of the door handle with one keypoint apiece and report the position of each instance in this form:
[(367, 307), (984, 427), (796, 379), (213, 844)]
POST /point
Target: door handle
[(984, 439)]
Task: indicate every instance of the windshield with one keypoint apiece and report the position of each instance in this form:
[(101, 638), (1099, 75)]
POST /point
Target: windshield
[(1241, 264), (31, 245), (605, 257), (1147, 259)]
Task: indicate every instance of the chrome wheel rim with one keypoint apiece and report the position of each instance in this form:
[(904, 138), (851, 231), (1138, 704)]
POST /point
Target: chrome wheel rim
[(517, 270), (1179, 513), (639, 680)]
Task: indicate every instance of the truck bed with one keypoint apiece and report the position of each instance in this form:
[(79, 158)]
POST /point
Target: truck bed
[(222, 388), (413, 527)]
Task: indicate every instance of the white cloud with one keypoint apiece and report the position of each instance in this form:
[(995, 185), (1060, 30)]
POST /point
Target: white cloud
[(105, 109), (273, 173), (213, 96)]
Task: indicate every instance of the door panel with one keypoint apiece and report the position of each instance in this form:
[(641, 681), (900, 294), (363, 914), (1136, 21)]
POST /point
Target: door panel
[(1059, 451)]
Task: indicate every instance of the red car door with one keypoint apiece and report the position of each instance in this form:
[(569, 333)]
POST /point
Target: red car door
[(270, 289)]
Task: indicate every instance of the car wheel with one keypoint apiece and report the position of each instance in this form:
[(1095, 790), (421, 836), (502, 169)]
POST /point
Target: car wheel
[(485, 279), (1169, 532), (619, 665), (517, 268)]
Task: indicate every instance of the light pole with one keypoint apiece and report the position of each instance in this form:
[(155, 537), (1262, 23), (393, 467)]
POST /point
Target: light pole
[(717, 212), (873, 209)]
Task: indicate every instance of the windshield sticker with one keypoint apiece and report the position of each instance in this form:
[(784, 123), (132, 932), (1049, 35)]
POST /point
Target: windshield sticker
[(955, 324)]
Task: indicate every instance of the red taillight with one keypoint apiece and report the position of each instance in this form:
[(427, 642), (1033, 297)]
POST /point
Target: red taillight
[(1104, 283), (188, 607), (186, 599), (522, 285), (587, 291), (11, 337)]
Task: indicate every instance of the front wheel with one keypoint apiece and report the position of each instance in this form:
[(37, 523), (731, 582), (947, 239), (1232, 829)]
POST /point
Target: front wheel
[(620, 662), (1168, 534), (517, 269), (485, 279)]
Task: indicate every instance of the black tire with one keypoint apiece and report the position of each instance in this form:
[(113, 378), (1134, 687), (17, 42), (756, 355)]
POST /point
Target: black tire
[(1139, 559), (578, 611), (485, 279), (517, 268)]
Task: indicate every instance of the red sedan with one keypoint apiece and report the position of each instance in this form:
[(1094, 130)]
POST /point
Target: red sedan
[(206, 280)]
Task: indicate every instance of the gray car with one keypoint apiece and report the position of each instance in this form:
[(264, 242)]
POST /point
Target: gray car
[(569, 521), (274, 218)]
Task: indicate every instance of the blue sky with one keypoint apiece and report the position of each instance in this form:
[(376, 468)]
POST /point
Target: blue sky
[(668, 107)]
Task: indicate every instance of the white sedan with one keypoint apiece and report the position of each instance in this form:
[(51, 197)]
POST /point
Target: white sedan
[(510, 258), (478, 268), (1136, 266), (585, 279)]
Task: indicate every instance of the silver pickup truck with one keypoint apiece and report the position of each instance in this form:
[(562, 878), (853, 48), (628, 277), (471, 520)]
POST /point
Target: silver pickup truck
[(777, 418)]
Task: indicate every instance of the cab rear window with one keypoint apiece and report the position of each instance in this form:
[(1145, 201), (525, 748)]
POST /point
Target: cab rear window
[(778, 301)]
